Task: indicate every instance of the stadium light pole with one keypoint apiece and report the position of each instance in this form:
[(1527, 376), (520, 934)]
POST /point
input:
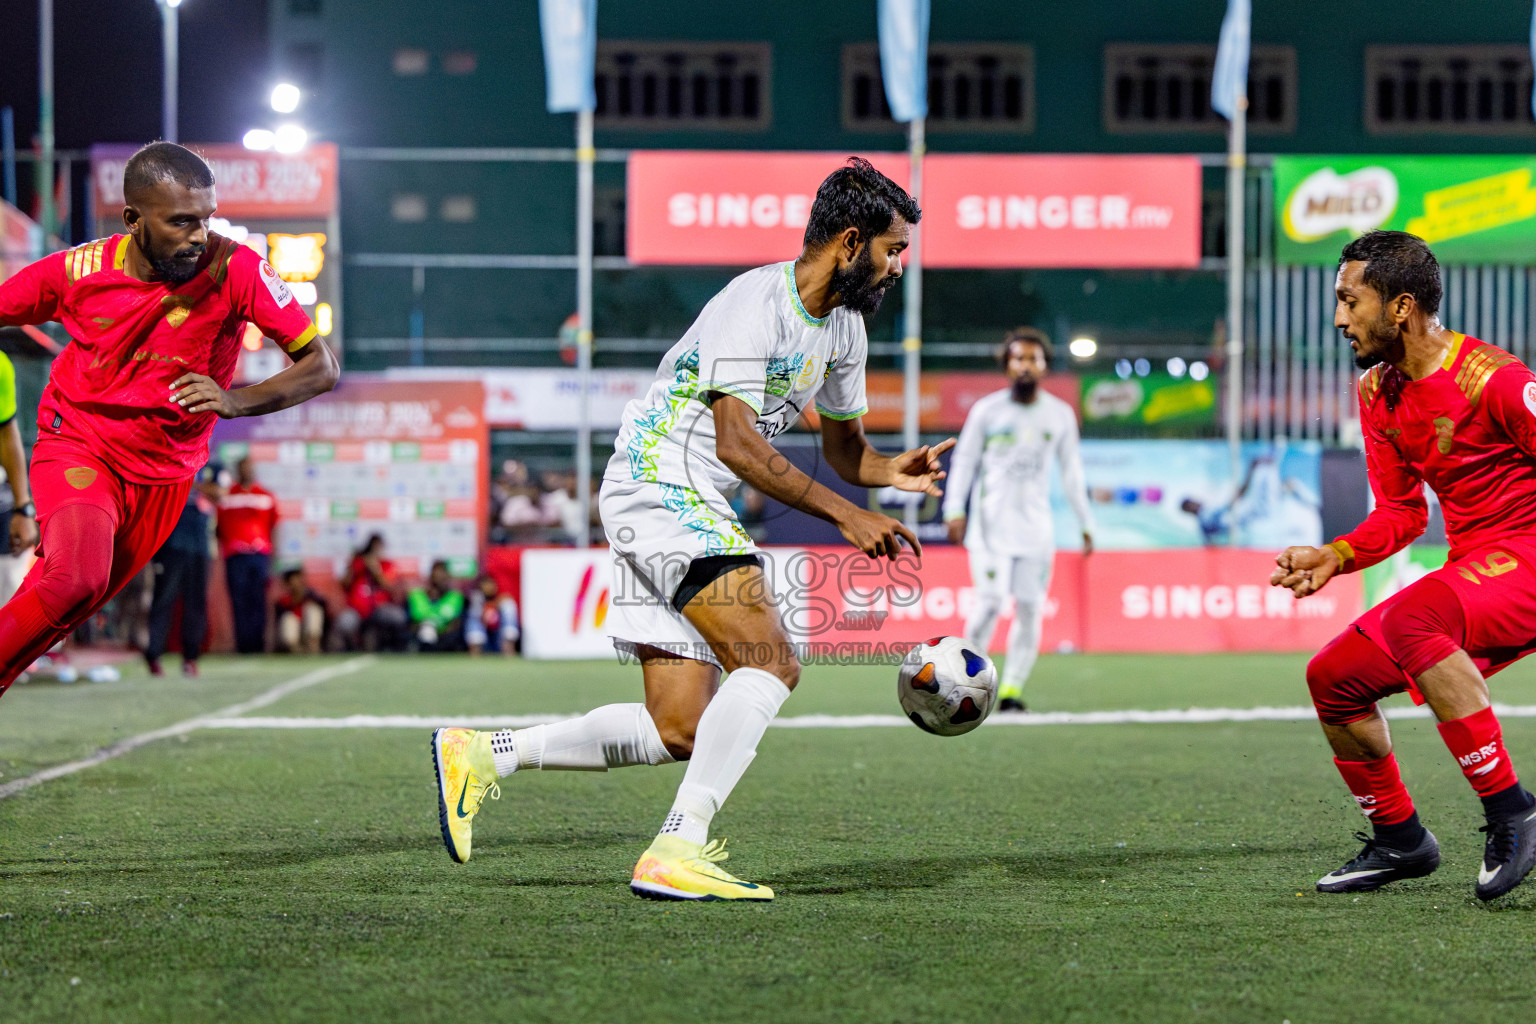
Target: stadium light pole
[(1237, 163), (45, 116), (912, 313), (586, 154), (168, 85)]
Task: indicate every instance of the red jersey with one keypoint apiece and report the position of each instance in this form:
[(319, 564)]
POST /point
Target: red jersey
[(110, 390), (1469, 431), (247, 517)]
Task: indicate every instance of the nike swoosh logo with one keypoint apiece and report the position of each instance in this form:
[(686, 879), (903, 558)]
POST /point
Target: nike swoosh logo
[(1484, 876), (1350, 876), (1490, 766), (462, 794)]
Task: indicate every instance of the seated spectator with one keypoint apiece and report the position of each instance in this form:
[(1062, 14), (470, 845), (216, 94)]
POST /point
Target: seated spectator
[(437, 610), (301, 616), (374, 618), (490, 622)]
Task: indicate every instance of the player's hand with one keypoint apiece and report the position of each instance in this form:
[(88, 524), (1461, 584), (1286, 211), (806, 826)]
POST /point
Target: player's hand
[(23, 533), (1305, 570), (1087, 543), (956, 529), (197, 393), (877, 535), (919, 470)]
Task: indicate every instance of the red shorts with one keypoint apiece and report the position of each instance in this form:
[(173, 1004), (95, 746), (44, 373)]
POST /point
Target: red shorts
[(143, 515), (1496, 590)]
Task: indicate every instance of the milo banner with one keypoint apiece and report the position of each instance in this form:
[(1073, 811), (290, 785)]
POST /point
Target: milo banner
[(1155, 399), (1471, 209)]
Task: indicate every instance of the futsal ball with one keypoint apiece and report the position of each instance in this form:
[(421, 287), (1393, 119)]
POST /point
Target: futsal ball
[(945, 687)]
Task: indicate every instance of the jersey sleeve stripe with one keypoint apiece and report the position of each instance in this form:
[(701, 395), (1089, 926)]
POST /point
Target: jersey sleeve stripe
[(829, 414), (734, 390), (302, 340)]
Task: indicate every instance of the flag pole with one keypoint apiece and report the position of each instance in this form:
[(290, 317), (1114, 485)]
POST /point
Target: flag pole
[(1237, 162), (585, 156), (912, 313)]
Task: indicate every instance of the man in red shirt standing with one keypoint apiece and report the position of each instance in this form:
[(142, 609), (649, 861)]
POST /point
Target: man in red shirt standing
[(155, 318), (1444, 409), (247, 519)]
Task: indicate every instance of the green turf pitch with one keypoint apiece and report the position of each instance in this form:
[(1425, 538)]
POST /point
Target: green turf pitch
[(1060, 873)]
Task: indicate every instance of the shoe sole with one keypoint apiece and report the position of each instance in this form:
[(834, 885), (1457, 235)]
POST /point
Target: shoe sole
[(655, 891), (442, 799)]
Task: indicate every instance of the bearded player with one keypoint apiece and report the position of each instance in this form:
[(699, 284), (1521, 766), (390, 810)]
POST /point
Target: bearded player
[(155, 318), (1444, 409), (692, 600), (1002, 466)]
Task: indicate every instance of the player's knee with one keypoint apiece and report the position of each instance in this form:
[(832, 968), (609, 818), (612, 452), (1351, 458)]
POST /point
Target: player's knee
[(78, 568), (1327, 676), (777, 658), (677, 737)]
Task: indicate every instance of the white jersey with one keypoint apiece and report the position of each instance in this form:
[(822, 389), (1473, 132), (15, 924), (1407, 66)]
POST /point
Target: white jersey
[(1002, 467), (753, 341)]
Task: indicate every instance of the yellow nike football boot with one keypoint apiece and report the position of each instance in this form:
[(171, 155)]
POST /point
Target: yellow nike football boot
[(466, 775), (675, 869)]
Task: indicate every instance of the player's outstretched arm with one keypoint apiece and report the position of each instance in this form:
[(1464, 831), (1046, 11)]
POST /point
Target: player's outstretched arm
[(1305, 570), (746, 453), (851, 457), (314, 371)]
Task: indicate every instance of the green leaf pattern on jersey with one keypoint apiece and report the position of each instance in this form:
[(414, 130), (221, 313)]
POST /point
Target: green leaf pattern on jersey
[(722, 535)]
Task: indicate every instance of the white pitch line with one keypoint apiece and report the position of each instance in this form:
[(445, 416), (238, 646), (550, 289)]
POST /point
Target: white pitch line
[(1170, 716), (133, 743)]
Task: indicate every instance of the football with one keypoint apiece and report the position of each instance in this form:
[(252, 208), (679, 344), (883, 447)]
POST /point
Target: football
[(945, 687)]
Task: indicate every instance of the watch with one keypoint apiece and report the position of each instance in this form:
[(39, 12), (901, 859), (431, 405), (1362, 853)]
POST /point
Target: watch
[(29, 510)]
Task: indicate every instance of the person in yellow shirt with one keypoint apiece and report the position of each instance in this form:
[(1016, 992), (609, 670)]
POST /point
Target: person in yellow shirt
[(21, 536)]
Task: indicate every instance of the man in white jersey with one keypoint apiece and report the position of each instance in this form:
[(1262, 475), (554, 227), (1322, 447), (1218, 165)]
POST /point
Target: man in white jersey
[(1002, 467), (691, 600)]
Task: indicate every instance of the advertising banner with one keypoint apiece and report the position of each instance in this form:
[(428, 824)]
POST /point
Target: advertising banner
[(250, 184), (408, 461), (846, 608), (1005, 210), (706, 208), (1471, 209), (1154, 399), (1180, 494), (741, 209)]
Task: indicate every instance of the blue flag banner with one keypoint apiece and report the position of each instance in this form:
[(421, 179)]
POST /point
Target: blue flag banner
[(904, 57), (1229, 83), (570, 49)]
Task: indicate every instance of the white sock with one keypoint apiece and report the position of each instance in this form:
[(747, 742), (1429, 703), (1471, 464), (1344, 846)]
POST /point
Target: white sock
[(983, 620), (1023, 643), (612, 736), (725, 743)]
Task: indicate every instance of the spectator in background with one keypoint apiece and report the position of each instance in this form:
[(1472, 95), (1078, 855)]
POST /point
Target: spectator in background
[(301, 616), (373, 618), (490, 621), (437, 611), (18, 516), (247, 519), (181, 570)]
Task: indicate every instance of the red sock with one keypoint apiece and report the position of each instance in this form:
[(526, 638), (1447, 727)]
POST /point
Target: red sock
[(25, 633), (1477, 744), (1378, 789)]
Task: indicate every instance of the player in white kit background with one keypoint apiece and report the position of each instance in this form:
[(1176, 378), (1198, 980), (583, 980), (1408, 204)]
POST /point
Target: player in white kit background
[(1001, 471), (691, 600)]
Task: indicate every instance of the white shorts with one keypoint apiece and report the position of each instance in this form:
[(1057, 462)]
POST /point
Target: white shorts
[(656, 531), (1024, 578)]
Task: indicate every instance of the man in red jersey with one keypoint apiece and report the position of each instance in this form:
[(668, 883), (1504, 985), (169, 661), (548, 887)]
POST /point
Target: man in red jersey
[(1444, 409), (247, 519), (155, 318)]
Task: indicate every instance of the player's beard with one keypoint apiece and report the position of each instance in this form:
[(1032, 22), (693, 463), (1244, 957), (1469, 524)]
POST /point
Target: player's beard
[(177, 267), (1386, 341), (856, 287), (1025, 388)]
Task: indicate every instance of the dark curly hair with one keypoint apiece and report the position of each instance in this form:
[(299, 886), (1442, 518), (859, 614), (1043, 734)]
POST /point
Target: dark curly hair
[(857, 196), (1397, 262)]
